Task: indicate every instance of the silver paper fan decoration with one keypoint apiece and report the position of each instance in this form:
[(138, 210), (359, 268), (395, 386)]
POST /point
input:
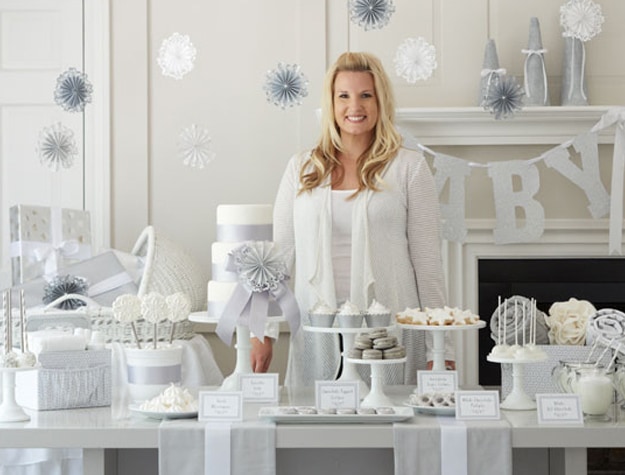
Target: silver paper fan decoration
[(176, 56), (504, 97), (56, 147), (371, 14), (62, 285), (415, 60), (73, 90), (194, 147), (581, 19), (286, 85)]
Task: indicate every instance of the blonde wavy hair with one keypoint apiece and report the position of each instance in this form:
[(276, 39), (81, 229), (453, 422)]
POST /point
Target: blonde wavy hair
[(386, 141)]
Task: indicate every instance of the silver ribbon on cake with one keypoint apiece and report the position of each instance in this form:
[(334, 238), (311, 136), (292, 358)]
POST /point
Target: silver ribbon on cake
[(262, 275)]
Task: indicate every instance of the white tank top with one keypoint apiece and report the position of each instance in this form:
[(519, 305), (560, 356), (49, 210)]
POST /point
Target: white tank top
[(342, 242)]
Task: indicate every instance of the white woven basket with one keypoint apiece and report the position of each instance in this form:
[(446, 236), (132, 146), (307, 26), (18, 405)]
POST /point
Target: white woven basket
[(169, 269)]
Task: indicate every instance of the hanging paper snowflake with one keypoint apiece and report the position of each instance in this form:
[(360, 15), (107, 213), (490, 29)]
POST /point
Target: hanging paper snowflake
[(415, 60), (62, 285), (504, 98), (581, 19), (56, 147), (194, 147), (73, 90), (286, 85), (176, 56), (371, 14)]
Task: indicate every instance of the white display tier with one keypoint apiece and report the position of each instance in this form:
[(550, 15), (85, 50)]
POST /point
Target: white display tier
[(438, 338), (10, 410), (517, 399), (376, 397)]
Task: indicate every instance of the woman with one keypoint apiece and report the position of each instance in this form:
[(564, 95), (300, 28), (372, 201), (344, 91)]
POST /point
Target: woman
[(359, 217)]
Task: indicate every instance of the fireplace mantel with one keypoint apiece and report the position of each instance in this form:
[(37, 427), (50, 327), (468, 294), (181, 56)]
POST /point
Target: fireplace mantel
[(475, 126)]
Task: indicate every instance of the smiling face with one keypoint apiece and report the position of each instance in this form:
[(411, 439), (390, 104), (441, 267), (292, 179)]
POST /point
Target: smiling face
[(355, 104)]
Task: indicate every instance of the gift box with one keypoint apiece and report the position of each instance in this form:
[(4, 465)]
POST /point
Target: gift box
[(45, 239), (106, 276), (66, 380)]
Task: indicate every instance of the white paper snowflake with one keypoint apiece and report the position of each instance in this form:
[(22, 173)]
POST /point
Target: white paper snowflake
[(73, 90), (505, 97), (371, 14), (286, 85), (176, 56), (194, 147), (56, 147), (581, 19), (415, 60)]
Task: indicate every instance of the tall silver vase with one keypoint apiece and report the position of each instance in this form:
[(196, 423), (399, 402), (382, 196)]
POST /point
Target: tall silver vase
[(535, 71), (574, 91)]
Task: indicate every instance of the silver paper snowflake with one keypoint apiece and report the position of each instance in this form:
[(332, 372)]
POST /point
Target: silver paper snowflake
[(504, 98), (73, 90), (259, 265), (581, 19), (56, 147), (415, 60), (371, 14), (176, 56), (286, 85), (62, 285), (194, 147)]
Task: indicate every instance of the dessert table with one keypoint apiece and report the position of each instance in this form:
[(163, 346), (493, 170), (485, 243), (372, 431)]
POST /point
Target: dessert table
[(95, 430)]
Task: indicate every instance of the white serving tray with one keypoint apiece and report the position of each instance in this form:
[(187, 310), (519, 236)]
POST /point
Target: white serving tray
[(273, 414)]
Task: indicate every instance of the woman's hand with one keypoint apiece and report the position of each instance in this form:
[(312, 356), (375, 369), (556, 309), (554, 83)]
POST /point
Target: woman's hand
[(261, 354), (449, 365)]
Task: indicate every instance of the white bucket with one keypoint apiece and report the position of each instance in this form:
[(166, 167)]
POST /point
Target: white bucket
[(151, 370)]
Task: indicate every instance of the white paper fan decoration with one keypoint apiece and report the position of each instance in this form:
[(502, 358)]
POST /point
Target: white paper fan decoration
[(415, 60), (73, 90), (581, 19), (56, 147), (194, 147), (371, 14), (176, 56), (286, 85)]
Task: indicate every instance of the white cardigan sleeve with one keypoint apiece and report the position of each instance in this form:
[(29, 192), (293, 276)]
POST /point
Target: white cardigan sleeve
[(283, 228)]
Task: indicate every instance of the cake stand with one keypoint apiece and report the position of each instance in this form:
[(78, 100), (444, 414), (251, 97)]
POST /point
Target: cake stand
[(349, 372), (517, 399), (438, 338), (10, 411), (376, 397), (243, 362)]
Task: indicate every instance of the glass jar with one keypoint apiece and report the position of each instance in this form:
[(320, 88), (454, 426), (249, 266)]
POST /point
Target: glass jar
[(563, 373), (595, 387)]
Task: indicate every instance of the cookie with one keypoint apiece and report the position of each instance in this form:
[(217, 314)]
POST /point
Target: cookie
[(366, 411), (385, 410), (372, 354), (326, 410), (346, 410)]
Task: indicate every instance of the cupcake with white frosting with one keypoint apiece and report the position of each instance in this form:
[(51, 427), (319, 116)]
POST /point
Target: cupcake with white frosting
[(377, 315), (349, 316), (321, 315)]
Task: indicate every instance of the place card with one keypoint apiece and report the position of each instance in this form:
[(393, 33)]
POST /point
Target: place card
[(559, 409), (257, 387), (220, 406), (330, 394), (429, 382), (477, 405)]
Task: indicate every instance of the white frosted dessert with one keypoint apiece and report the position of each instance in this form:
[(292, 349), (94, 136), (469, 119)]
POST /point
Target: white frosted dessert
[(172, 399), (349, 315), (378, 315), (322, 315)]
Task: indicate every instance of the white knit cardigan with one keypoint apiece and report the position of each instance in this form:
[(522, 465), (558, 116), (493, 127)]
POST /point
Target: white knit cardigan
[(396, 255)]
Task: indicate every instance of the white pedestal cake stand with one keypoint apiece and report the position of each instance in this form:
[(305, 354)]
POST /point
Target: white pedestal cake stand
[(438, 339), (10, 411), (243, 346), (517, 399), (376, 397)]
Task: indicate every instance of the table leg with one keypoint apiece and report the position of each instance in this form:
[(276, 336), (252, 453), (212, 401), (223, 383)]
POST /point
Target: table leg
[(93, 461), (568, 461)]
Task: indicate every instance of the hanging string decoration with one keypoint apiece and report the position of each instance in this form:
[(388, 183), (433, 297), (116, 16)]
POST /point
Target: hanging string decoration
[(176, 56), (62, 285), (415, 60), (371, 14), (504, 97), (73, 90), (56, 147), (285, 86), (581, 19), (194, 147)]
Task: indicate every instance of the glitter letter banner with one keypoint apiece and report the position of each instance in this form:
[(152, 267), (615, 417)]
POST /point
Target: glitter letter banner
[(452, 170), (507, 200)]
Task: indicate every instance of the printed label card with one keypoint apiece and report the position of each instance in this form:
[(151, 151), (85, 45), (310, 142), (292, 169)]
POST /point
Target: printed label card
[(331, 394), (258, 387), (477, 405), (220, 406), (559, 409), (429, 382)]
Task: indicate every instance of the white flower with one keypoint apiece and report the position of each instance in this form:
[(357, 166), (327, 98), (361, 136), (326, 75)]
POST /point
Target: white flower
[(581, 19), (176, 56), (567, 321), (56, 147), (285, 86), (415, 60), (154, 307), (127, 308), (179, 307), (371, 14), (194, 147)]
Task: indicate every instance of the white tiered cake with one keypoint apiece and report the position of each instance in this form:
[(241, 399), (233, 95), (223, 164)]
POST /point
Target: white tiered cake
[(236, 224)]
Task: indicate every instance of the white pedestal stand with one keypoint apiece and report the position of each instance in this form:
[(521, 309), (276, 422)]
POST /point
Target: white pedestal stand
[(517, 399), (376, 397), (438, 339), (10, 411)]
